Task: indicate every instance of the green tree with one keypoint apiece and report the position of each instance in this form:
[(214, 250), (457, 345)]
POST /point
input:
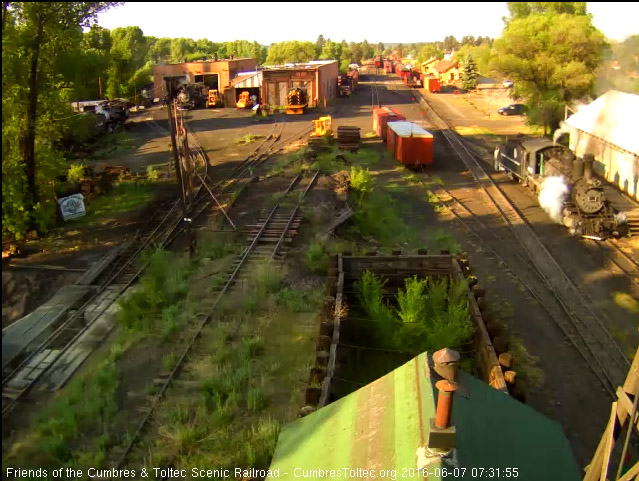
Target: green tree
[(319, 45), (331, 51), (367, 50), (552, 59), (292, 51), (380, 49), (524, 9), (34, 36), (470, 74)]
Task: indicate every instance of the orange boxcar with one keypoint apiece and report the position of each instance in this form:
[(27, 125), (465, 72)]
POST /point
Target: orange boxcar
[(410, 144), (381, 117)]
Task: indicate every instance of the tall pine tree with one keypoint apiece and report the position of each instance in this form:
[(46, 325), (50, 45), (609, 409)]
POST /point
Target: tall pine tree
[(470, 74)]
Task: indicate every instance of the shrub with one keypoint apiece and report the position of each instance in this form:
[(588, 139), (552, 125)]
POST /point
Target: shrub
[(75, 173), (360, 179), (315, 258)]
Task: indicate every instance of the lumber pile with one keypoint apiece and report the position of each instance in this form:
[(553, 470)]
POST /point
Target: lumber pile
[(348, 138)]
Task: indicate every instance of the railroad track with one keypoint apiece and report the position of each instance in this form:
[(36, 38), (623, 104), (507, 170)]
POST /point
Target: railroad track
[(625, 263), (556, 292), (45, 353), (268, 241)]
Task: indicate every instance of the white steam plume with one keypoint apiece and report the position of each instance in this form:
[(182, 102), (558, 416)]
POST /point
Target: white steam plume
[(563, 129), (554, 191)]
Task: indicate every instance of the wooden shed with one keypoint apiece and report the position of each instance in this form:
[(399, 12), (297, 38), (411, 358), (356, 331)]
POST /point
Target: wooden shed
[(318, 78)]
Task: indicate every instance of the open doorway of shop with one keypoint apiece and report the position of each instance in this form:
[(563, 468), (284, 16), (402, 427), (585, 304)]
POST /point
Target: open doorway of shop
[(253, 91)]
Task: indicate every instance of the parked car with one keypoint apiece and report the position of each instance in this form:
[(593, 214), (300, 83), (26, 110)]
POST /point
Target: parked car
[(514, 109), (507, 84)]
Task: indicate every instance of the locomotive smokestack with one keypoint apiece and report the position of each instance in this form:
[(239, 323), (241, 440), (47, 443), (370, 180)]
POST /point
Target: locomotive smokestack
[(589, 161), (577, 168)]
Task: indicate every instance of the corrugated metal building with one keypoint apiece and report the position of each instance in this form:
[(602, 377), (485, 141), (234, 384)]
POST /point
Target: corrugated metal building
[(248, 82), (318, 77), (607, 128), (217, 74), (385, 425)]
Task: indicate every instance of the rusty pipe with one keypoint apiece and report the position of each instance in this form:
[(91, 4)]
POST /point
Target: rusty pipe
[(444, 402)]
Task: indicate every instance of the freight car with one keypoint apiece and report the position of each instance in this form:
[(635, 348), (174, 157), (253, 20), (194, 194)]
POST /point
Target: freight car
[(567, 186)]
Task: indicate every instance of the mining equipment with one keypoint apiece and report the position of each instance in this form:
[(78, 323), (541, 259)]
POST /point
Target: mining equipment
[(213, 99), (586, 211), (344, 85), (296, 101), (191, 97), (244, 102)]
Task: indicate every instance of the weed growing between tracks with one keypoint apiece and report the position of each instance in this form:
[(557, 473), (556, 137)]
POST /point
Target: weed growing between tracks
[(244, 378), (248, 138), (89, 416)]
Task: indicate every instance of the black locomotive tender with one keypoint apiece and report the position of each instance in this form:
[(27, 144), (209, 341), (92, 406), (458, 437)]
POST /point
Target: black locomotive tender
[(587, 212)]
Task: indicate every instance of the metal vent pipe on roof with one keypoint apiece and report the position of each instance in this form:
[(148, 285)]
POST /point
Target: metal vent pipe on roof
[(444, 402)]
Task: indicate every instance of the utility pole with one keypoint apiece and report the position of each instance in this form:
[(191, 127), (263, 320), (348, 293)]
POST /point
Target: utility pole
[(176, 158), (100, 86)]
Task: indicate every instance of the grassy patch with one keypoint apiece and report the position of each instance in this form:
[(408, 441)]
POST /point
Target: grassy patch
[(525, 364), (444, 240), (626, 301), (153, 308), (316, 259), (245, 387), (360, 180), (300, 299), (87, 405), (124, 197), (248, 138)]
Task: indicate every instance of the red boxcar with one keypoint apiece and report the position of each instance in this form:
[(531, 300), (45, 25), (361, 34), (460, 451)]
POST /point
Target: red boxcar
[(388, 66), (381, 117), (379, 60), (431, 84), (410, 144)]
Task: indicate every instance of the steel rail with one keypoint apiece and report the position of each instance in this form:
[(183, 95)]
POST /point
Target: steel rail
[(510, 214), (176, 369)]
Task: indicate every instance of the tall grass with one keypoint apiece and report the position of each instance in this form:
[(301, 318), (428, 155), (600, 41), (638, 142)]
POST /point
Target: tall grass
[(370, 290), (87, 405), (431, 314), (315, 258), (360, 179), (163, 284)]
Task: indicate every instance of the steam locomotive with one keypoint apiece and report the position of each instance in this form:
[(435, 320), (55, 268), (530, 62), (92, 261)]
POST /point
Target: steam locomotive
[(553, 172)]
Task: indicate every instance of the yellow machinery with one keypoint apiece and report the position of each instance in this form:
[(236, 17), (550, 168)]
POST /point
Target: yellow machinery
[(244, 102), (296, 101), (322, 126), (214, 99)]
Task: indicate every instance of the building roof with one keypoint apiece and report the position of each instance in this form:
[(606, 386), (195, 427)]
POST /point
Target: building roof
[(301, 66), (445, 65), (383, 424), (613, 117), (247, 80), (429, 61)]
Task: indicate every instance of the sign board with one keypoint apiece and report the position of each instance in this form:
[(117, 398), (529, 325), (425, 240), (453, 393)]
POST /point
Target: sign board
[(72, 206)]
